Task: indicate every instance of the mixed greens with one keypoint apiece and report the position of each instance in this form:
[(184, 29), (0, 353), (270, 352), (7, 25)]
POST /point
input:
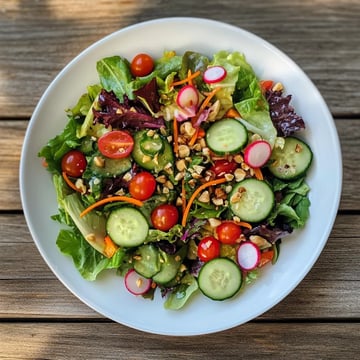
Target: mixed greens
[(182, 173)]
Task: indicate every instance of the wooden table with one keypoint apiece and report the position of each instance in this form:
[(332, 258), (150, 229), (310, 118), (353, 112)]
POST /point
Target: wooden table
[(40, 318)]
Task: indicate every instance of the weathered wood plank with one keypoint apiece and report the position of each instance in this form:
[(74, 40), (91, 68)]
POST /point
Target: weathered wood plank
[(250, 341), (28, 289), (40, 38), (12, 134)]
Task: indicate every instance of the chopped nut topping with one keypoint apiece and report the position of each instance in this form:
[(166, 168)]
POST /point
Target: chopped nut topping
[(161, 179), (99, 161), (220, 193), (181, 165), (127, 176), (184, 151), (278, 87), (213, 222), (239, 174), (146, 158), (150, 133), (298, 148), (217, 202), (238, 159), (204, 197), (229, 177)]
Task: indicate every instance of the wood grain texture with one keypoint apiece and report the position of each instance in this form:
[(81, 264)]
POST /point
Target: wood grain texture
[(41, 37), (41, 319), (250, 341)]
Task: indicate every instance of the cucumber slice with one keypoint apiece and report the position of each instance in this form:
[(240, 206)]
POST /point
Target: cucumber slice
[(220, 279), (292, 161), (147, 261), (170, 265), (226, 136), (127, 227), (109, 167), (252, 200), (147, 161)]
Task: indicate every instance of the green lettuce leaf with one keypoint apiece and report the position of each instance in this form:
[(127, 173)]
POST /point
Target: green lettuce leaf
[(115, 75), (182, 293), (87, 260)]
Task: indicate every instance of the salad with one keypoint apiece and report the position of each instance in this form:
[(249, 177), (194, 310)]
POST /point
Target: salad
[(183, 173)]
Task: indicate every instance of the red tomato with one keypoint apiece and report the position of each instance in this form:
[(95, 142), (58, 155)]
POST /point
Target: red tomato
[(164, 217), (142, 65), (73, 163), (222, 167), (208, 248), (142, 185), (266, 84), (116, 144), (228, 232)]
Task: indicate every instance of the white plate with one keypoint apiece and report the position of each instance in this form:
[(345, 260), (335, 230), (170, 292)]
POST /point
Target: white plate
[(298, 253)]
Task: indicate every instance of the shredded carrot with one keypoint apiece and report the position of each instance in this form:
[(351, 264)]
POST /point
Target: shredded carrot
[(176, 136), (110, 247), (266, 257), (188, 79), (258, 173), (196, 193), (232, 113), (204, 104), (183, 195), (69, 182), (111, 199), (245, 224), (194, 137), (201, 133)]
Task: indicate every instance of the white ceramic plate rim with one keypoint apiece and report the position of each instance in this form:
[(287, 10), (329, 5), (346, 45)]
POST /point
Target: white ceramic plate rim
[(107, 296)]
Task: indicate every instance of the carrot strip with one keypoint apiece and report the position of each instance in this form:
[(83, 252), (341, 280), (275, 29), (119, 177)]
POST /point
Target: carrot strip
[(176, 136), (183, 195), (232, 113), (187, 79), (111, 199), (258, 173), (196, 193), (69, 182), (204, 104), (244, 224), (110, 247), (266, 257)]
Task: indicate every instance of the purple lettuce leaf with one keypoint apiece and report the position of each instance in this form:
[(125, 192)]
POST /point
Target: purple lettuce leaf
[(128, 114), (271, 234), (282, 114)]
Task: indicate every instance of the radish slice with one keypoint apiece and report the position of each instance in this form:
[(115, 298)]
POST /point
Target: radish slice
[(214, 74), (257, 153), (135, 283), (248, 255), (187, 97)]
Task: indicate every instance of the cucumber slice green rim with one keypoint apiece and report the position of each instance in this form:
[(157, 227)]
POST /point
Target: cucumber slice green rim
[(226, 136), (252, 200), (292, 161), (220, 279), (127, 227)]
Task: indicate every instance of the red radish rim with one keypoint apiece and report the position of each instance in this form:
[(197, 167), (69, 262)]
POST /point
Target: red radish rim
[(261, 155), (131, 277), (255, 252), (191, 94), (214, 74)]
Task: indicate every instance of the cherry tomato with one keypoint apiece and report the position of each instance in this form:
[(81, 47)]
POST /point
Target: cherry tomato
[(73, 163), (116, 144), (142, 65), (164, 217), (208, 248), (228, 232), (142, 185), (266, 85), (222, 167)]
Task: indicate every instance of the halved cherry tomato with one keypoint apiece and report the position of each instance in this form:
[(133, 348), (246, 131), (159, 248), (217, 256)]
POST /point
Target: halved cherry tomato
[(116, 144), (142, 65), (142, 185), (73, 163), (222, 167), (208, 248), (228, 232), (164, 217)]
